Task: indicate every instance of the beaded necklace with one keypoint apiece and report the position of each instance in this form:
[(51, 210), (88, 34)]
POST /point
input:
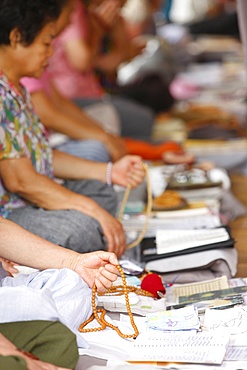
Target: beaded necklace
[(124, 289), (101, 319)]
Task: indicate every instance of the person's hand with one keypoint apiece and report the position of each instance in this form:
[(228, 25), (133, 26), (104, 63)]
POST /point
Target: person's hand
[(115, 146), (128, 171), (106, 12), (7, 348), (97, 268), (136, 47), (9, 266), (175, 158), (113, 231)]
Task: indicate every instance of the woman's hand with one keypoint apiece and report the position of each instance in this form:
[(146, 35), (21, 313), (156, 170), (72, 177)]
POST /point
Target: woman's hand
[(136, 47), (106, 12), (9, 266), (128, 171), (113, 231), (96, 268)]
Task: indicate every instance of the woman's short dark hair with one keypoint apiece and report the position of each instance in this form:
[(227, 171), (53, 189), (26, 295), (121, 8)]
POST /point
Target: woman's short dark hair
[(28, 16)]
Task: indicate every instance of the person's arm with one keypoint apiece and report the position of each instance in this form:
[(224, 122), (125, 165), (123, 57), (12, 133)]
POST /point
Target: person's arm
[(82, 48), (62, 115), (19, 176), (80, 54), (123, 49), (126, 171), (23, 247), (84, 51)]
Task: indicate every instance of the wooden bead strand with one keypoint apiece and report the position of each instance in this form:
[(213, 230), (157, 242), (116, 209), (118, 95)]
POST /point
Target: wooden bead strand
[(148, 208), (101, 319)]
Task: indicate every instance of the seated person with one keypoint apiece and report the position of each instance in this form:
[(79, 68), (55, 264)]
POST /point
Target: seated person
[(147, 71), (31, 334), (79, 213), (127, 111), (71, 72)]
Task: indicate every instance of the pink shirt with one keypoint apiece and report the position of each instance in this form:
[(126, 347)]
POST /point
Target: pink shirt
[(68, 81)]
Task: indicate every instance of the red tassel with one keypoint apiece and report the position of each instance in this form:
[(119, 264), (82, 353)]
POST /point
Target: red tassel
[(152, 283)]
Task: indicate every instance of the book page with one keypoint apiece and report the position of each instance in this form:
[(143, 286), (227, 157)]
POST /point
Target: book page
[(168, 241), (200, 287), (190, 347)]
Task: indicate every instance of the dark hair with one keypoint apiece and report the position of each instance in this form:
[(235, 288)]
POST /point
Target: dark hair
[(28, 16)]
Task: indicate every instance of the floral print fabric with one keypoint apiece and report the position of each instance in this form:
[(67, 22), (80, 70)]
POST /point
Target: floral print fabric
[(22, 135)]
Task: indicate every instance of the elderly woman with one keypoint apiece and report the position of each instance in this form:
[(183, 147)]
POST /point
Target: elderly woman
[(35, 336), (78, 211)]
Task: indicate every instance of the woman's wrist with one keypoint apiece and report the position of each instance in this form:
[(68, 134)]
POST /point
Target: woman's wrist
[(109, 174)]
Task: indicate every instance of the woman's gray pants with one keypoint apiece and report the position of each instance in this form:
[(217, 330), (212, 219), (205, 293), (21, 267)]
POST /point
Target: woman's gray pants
[(69, 228)]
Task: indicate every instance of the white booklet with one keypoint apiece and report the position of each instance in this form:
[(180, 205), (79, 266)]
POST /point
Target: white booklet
[(168, 241), (186, 347)]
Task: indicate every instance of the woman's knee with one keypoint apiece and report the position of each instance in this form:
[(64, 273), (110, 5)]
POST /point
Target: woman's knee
[(64, 345), (50, 341), (101, 193), (84, 234)]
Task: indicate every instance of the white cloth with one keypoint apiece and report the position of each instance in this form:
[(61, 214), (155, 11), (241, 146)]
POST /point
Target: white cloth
[(56, 295)]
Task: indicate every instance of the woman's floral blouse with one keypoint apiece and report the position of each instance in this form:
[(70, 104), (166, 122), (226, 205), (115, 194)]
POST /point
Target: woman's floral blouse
[(22, 135)]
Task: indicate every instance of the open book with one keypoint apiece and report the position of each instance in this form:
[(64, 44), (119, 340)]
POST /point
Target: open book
[(170, 243), (174, 240)]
